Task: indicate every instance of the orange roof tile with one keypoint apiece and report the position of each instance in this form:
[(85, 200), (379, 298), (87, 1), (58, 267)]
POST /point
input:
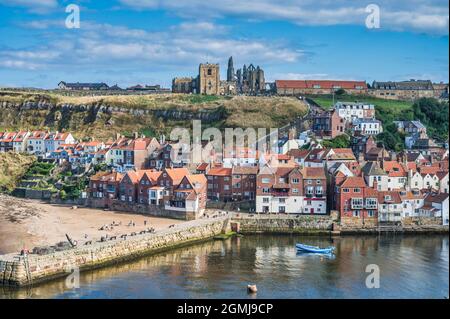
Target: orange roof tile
[(219, 171), (353, 181)]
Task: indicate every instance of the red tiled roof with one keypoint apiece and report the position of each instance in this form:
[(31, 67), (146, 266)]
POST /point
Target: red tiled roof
[(313, 172), (245, 170), (324, 84), (106, 176), (219, 171), (395, 197), (394, 169), (353, 181), (202, 166), (432, 170), (436, 198), (177, 174)]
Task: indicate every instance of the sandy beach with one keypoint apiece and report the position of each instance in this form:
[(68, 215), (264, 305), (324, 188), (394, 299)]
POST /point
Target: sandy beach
[(28, 223)]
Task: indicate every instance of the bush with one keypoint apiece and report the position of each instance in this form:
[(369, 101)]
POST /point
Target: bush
[(341, 141)]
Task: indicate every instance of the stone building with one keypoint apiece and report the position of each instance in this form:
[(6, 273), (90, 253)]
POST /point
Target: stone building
[(249, 80), (404, 90), (208, 79), (301, 87), (183, 85)]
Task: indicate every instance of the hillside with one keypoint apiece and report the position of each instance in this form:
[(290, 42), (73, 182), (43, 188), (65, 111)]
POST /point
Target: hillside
[(12, 167), (433, 114), (103, 116)]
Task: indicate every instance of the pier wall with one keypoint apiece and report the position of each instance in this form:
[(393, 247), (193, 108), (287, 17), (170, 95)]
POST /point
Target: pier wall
[(21, 271), (313, 225)]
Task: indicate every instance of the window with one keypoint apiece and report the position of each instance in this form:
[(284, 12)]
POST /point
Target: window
[(345, 190), (209, 71), (357, 190), (371, 202), (355, 213), (265, 190), (282, 200), (265, 200), (265, 180), (295, 180), (357, 203), (371, 213)]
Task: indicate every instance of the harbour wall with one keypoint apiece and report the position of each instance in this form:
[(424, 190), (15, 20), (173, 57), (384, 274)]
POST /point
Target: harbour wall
[(18, 270), (305, 225)]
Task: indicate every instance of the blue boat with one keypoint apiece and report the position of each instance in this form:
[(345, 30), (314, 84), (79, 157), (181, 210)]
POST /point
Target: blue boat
[(314, 249)]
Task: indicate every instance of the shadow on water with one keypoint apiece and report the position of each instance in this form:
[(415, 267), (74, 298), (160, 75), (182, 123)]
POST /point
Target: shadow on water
[(410, 267)]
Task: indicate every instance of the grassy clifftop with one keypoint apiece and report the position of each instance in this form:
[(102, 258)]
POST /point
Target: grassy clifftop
[(237, 111), (12, 167)]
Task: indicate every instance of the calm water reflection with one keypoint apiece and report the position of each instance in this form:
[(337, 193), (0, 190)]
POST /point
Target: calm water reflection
[(411, 267)]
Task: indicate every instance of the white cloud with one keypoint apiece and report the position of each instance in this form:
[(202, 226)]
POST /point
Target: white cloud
[(406, 15), (19, 64), (34, 6), (179, 47)]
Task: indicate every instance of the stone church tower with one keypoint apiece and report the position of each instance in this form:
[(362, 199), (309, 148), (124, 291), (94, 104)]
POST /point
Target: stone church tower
[(208, 79), (230, 71)]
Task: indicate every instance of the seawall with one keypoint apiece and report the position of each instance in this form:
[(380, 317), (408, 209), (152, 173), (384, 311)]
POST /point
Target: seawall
[(18, 270), (305, 225)]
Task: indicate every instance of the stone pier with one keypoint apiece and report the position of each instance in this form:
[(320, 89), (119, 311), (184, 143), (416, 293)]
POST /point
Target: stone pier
[(18, 270)]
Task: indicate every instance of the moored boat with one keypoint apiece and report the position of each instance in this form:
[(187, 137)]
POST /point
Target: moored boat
[(314, 249)]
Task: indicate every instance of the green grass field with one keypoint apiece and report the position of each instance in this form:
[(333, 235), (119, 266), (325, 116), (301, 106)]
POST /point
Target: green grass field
[(386, 110)]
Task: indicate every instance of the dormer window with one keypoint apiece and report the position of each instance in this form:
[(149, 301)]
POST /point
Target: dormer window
[(387, 198)]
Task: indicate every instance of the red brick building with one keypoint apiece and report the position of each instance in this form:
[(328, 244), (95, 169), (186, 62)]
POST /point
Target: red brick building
[(356, 203), (301, 87), (148, 181), (314, 190), (219, 184), (244, 183), (189, 196), (104, 188), (328, 124)]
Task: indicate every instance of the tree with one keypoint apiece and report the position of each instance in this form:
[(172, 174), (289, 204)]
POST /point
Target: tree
[(434, 115), (340, 91), (341, 141)]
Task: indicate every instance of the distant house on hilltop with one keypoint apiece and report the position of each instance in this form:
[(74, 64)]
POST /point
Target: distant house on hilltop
[(82, 86)]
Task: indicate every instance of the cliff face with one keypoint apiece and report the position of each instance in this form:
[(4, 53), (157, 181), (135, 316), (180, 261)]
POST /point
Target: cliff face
[(98, 119)]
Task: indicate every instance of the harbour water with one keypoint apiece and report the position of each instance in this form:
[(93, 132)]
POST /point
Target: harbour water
[(410, 267)]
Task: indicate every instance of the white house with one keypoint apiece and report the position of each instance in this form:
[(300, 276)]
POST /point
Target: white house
[(354, 110), (437, 204), (389, 207), (412, 201), (36, 143), (367, 126), (375, 177), (54, 140), (20, 141)]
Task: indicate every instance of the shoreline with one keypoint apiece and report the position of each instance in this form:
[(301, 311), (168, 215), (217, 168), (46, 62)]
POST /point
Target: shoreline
[(16, 270)]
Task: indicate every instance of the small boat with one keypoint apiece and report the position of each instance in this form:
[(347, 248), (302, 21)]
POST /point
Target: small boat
[(314, 249)]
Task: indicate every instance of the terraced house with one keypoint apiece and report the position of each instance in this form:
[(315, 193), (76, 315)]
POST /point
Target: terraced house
[(356, 203)]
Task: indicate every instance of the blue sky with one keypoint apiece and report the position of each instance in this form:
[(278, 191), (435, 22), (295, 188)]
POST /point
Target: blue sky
[(151, 41)]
